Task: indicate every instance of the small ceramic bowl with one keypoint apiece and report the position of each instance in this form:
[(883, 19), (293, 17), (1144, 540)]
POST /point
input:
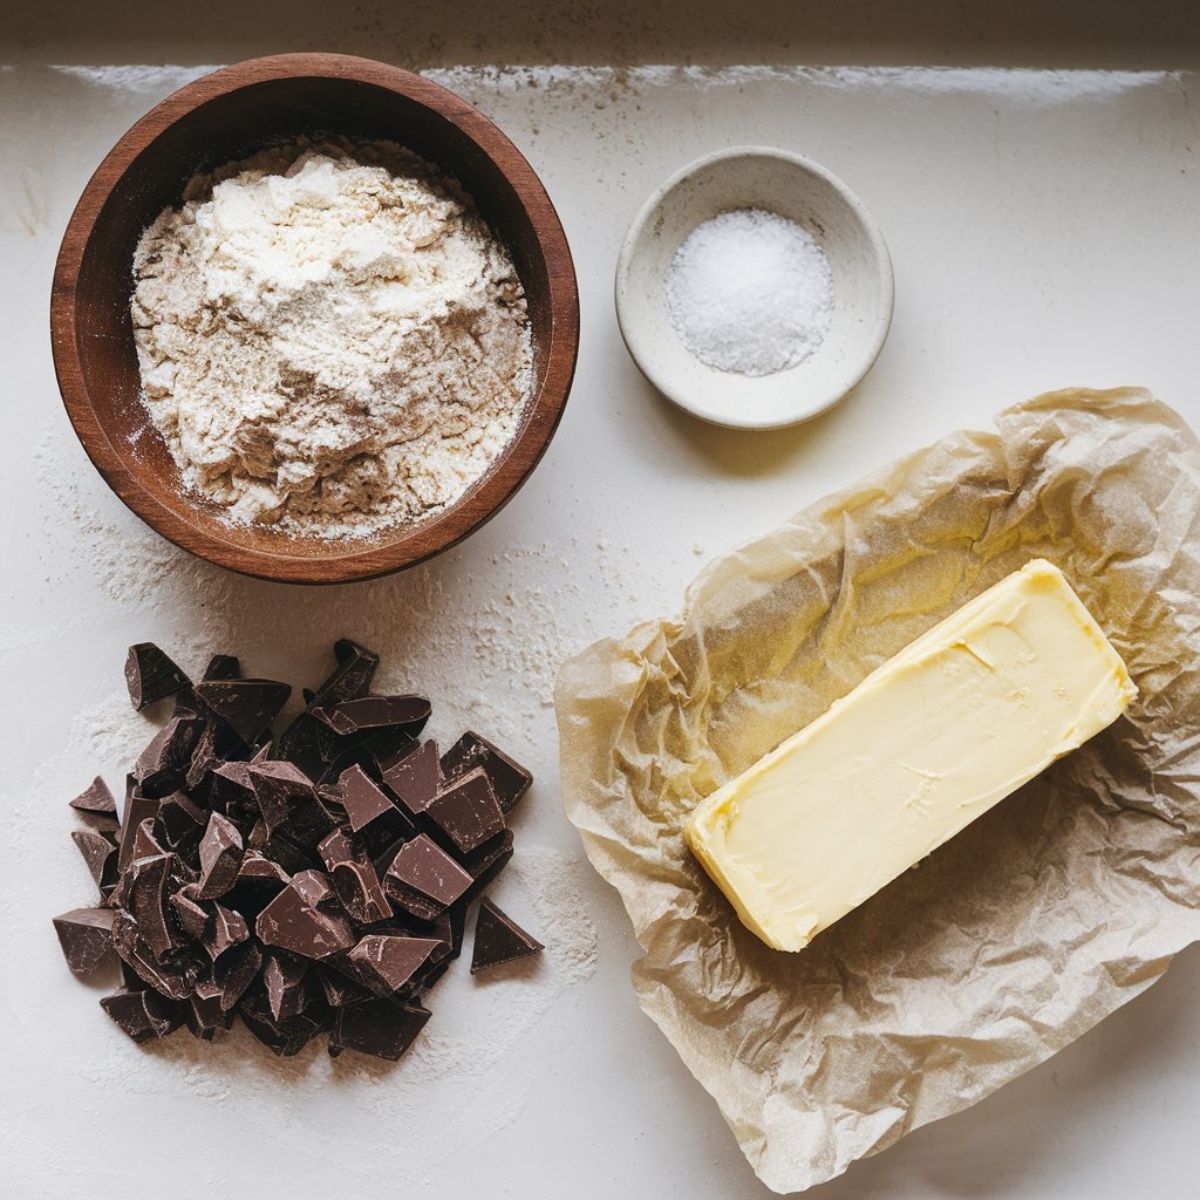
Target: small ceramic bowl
[(793, 187)]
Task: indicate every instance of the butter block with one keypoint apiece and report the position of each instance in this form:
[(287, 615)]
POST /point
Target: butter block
[(932, 739)]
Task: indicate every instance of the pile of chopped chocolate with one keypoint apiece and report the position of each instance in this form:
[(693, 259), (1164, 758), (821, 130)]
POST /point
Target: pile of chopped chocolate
[(317, 882)]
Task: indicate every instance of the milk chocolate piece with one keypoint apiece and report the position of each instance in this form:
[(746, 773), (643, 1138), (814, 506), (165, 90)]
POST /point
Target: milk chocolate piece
[(509, 780), (306, 918), (415, 778), (467, 811), (424, 880), (85, 935), (247, 706), (151, 675), (387, 963), (96, 799), (100, 853), (161, 767), (144, 1015), (361, 799), (285, 978), (223, 666), (499, 939), (408, 713), (380, 1028)]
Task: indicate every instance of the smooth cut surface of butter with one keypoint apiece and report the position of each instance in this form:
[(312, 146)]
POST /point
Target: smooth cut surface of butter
[(936, 736)]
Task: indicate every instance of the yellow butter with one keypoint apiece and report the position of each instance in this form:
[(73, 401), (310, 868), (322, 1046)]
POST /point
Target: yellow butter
[(929, 741)]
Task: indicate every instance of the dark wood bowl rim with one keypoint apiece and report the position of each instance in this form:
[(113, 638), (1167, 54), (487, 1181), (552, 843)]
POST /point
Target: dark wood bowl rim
[(394, 549)]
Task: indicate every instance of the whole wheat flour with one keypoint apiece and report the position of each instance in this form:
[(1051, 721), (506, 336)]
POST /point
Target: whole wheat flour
[(330, 339)]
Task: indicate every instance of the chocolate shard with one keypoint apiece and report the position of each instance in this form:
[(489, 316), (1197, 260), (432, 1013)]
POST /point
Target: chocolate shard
[(142, 892), (285, 978), (223, 666), (203, 1013), (467, 812), (220, 857), (281, 849), (306, 918), (162, 766), (485, 863), (408, 713), (96, 799), (190, 913), (499, 939), (85, 935), (236, 971), (179, 825), (354, 879), (136, 809), (151, 675), (172, 975), (144, 1015), (284, 1038), (145, 844), (287, 800), (388, 963), (247, 706), (424, 880), (509, 780), (231, 793), (379, 1028), (100, 853), (204, 760), (339, 989), (227, 929), (361, 799), (415, 777)]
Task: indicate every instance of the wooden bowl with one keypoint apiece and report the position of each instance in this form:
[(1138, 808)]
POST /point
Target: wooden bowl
[(229, 115)]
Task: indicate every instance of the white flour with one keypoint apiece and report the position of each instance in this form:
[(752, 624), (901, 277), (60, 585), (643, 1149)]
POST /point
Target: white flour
[(329, 338)]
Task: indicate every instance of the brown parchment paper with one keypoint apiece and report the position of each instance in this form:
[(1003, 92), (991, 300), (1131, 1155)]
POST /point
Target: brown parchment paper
[(1045, 915)]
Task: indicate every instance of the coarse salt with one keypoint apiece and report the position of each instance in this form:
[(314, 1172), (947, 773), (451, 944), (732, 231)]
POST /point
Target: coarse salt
[(750, 292)]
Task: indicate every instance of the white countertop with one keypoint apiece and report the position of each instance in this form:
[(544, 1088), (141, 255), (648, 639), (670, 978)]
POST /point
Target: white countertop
[(1043, 228)]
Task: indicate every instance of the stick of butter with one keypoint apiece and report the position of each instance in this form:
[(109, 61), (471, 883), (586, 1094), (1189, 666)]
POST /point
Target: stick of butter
[(956, 721)]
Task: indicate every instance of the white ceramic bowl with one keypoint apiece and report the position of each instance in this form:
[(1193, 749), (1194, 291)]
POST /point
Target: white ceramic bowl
[(794, 187)]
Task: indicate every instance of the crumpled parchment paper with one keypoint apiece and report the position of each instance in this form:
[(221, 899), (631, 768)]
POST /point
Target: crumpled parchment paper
[(1058, 906)]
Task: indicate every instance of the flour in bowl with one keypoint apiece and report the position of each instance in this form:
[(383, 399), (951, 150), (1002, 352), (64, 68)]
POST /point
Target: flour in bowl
[(330, 339)]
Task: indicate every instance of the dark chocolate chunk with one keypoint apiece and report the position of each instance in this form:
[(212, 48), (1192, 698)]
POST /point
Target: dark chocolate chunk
[(96, 799), (172, 974), (236, 971), (379, 1027), (306, 918), (488, 861), (85, 935), (99, 851), (509, 780), (228, 929), (205, 758), (162, 767), (223, 666), (285, 978), (408, 713), (144, 1015), (354, 879), (204, 1015), (284, 1038), (287, 800), (179, 824), (231, 793), (136, 809), (424, 880), (361, 799), (498, 939), (145, 844), (281, 849), (151, 675), (415, 778), (387, 963), (338, 987), (220, 857), (467, 811), (143, 894), (190, 913), (247, 706)]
